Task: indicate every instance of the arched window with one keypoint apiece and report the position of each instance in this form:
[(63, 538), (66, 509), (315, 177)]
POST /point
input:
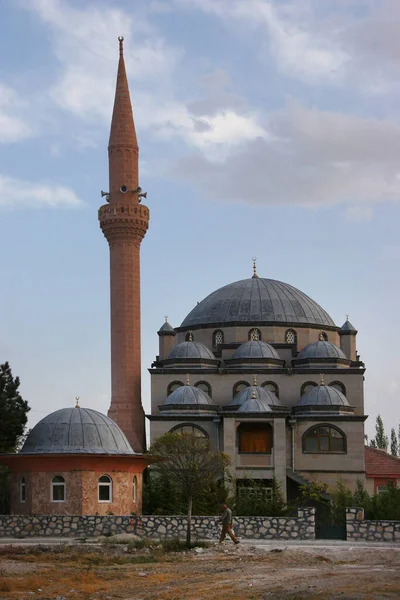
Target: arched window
[(22, 489), (307, 386), (58, 489), (105, 489), (204, 387), (291, 336), (189, 337), (190, 429), (239, 387), (323, 439), (255, 438), (134, 489), (174, 385), (323, 336), (338, 385), (272, 387), (254, 335), (218, 337)]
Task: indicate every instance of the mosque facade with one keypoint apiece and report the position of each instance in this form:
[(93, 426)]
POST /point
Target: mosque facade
[(262, 370)]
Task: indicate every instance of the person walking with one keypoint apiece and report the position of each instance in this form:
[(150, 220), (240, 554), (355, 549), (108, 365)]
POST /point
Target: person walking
[(226, 522)]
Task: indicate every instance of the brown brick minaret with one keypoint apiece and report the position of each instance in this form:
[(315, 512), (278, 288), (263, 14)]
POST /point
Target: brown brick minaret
[(124, 222)]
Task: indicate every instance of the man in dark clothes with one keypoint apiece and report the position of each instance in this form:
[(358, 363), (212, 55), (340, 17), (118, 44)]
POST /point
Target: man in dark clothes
[(226, 521)]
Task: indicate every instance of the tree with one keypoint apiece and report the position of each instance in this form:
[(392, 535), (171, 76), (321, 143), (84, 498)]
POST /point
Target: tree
[(381, 439), (394, 445), (191, 464), (13, 410)]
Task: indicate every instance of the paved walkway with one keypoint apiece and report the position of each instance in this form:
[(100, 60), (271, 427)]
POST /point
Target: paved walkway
[(268, 544)]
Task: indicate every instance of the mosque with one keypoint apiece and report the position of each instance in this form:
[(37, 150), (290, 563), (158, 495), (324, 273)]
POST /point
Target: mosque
[(257, 367)]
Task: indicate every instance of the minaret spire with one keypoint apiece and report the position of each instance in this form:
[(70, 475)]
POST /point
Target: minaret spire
[(124, 222), (122, 134)]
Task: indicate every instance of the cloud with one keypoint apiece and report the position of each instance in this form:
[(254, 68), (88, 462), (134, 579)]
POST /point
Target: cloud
[(307, 157), (13, 126), (359, 214), (15, 193)]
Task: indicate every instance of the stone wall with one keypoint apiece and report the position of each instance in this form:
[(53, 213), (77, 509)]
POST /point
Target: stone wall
[(361, 530), (301, 527)]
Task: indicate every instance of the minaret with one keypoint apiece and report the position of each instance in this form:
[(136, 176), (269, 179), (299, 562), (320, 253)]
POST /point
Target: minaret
[(124, 222)]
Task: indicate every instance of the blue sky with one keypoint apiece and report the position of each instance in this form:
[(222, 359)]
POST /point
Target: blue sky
[(266, 128)]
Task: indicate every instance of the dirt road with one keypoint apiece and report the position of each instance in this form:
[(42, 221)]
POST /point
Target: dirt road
[(218, 572)]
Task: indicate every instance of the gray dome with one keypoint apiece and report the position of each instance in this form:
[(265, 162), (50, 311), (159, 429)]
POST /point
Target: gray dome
[(166, 329), (76, 431), (262, 394), (257, 301), (188, 394), (255, 349), (254, 404), (191, 350), (321, 350), (323, 395)]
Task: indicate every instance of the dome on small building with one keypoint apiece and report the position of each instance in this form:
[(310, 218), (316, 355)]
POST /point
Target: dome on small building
[(76, 431), (191, 350), (323, 396), (321, 349), (166, 329), (262, 394), (254, 403), (188, 394), (255, 349)]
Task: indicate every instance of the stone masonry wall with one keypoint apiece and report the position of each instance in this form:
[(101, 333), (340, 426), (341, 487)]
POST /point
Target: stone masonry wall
[(361, 530), (301, 527)]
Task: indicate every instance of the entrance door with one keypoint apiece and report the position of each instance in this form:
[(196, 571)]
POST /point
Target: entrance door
[(325, 528)]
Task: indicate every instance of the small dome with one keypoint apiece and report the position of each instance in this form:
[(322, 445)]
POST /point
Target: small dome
[(188, 394), (262, 394), (348, 327), (254, 403), (191, 350), (323, 395), (255, 349), (76, 431), (321, 349), (166, 329)]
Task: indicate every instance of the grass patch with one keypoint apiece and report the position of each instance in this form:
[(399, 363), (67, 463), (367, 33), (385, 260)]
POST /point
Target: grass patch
[(177, 545)]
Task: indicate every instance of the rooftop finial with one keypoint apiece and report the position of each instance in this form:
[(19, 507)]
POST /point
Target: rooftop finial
[(77, 402), (166, 318), (321, 337), (190, 336), (121, 45), (322, 379), (187, 379), (347, 317), (254, 259), (253, 394), (254, 379)]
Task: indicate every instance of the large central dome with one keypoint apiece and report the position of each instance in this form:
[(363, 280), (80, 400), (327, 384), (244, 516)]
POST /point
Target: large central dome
[(257, 301)]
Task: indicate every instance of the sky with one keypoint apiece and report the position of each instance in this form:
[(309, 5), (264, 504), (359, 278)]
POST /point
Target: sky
[(267, 128)]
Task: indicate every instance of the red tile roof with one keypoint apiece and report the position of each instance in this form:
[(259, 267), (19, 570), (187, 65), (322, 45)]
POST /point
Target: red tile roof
[(379, 462)]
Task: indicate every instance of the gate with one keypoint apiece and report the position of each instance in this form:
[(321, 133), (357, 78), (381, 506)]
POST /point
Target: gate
[(325, 529)]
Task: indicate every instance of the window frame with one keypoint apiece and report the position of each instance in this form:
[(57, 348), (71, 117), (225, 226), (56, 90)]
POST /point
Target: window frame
[(235, 391), (302, 389), (22, 486), (189, 337), (62, 484), (267, 426), (134, 489), (324, 336), (274, 385), (215, 345), (294, 334), (259, 334), (188, 424), (105, 484), (338, 383), (176, 382), (319, 451), (208, 385)]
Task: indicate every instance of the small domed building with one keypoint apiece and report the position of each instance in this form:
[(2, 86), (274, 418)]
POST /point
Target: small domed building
[(76, 461), (279, 385)]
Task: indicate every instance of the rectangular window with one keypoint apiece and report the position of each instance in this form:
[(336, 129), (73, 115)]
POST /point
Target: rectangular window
[(58, 492), (104, 493)]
